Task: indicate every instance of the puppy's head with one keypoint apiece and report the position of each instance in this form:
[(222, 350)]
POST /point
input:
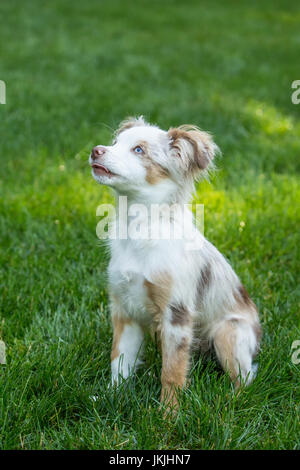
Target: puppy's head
[(155, 163)]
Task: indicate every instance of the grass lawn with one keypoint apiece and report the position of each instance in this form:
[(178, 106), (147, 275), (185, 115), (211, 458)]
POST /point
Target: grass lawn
[(73, 70)]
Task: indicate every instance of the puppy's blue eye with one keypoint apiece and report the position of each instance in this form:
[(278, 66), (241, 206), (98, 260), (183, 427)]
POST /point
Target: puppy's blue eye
[(138, 149)]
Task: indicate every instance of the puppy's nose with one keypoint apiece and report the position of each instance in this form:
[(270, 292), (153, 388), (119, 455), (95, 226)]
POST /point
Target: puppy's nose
[(98, 151)]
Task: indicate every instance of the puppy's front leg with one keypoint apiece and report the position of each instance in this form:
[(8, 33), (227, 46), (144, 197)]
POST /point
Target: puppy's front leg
[(126, 348), (176, 338)]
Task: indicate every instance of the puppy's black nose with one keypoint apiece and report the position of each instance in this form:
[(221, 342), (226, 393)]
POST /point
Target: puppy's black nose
[(98, 152)]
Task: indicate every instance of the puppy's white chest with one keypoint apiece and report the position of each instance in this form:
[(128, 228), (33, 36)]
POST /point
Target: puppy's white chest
[(127, 278)]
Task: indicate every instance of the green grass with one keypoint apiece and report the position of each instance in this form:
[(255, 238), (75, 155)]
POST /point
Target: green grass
[(73, 70)]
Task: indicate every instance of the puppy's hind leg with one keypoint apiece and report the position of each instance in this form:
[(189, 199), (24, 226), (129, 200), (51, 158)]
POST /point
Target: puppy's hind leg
[(236, 342)]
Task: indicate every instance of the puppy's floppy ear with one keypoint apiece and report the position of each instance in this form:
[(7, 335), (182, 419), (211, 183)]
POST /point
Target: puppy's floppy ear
[(194, 147)]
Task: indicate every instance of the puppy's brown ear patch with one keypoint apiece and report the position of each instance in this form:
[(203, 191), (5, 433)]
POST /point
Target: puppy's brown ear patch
[(154, 171), (128, 123), (196, 148)]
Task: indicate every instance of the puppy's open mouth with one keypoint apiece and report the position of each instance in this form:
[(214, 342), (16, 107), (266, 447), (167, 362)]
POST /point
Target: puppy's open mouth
[(101, 170)]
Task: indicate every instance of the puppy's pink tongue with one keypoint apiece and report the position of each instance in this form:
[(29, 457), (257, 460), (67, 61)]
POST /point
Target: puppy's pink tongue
[(99, 168)]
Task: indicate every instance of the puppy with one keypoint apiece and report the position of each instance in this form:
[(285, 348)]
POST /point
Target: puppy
[(186, 295)]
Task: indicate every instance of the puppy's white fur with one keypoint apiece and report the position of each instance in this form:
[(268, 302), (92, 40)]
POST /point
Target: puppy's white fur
[(186, 296)]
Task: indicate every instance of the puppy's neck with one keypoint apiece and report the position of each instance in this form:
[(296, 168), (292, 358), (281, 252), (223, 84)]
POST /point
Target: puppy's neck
[(139, 214), (166, 193)]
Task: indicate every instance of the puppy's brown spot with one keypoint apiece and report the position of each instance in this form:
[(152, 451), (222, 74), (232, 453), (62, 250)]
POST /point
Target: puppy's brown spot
[(154, 171), (204, 281), (119, 324), (244, 294), (206, 276), (158, 293), (180, 315), (242, 297)]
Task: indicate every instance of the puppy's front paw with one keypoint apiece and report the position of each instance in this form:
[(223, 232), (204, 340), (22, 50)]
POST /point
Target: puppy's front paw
[(116, 381)]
